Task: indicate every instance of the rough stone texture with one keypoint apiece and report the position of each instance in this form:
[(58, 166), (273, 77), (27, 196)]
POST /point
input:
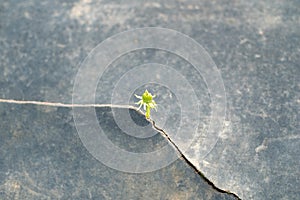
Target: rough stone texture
[(255, 44), (42, 157)]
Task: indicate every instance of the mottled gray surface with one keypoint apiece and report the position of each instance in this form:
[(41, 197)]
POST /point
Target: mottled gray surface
[(255, 44), (42, 157)]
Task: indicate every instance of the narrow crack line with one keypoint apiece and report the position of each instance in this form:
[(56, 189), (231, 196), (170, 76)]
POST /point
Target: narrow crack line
[(71, 105), (67, 105), (190, 163)]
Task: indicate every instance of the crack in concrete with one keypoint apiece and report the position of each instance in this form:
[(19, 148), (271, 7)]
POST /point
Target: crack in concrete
[(183, 157), (67, 105)]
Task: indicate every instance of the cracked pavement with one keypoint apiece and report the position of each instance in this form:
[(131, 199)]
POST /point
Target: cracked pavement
[(255, 45)]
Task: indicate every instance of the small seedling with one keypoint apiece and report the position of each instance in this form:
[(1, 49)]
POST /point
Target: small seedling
[(146, 100)]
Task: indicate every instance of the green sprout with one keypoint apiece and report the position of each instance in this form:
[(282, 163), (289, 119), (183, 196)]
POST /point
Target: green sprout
[(146, 100)]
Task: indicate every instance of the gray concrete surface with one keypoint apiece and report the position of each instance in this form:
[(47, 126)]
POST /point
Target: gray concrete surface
[(255, 45), (42, 157)]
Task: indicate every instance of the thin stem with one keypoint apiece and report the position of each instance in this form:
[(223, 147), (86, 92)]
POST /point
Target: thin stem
[(147, 111)]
